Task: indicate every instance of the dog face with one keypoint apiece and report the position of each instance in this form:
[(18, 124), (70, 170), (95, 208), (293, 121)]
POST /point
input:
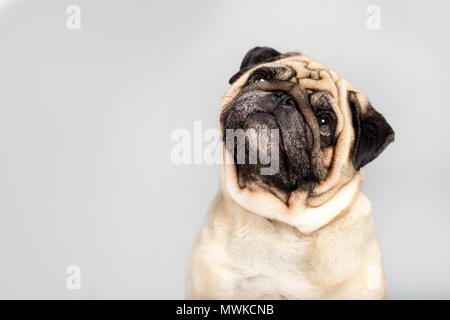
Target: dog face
[(327, 129)]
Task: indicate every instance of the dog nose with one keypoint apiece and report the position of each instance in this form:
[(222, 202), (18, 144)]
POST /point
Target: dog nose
[(283, 98)]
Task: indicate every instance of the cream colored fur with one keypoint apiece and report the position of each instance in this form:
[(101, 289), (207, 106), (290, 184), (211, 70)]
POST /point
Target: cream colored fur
[(320, 245)]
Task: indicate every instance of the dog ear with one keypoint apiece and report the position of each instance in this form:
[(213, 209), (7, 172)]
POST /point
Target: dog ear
[(253, 57), (372, 132)]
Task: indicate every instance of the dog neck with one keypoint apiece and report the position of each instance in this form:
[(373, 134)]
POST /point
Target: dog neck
[(304, 211)]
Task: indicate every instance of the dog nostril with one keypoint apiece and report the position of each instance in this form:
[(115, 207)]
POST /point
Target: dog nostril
[(282, 98), (278, 94), (289, 102)]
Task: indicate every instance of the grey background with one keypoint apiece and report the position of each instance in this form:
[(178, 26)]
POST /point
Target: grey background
[(86, 118)]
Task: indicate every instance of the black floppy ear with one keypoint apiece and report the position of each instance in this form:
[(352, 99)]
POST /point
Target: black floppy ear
[(255, 56), (372, 132)]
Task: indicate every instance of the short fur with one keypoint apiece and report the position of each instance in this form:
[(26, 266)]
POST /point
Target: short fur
[(268, 240)]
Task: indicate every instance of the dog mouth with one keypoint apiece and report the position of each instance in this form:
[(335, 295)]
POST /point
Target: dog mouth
[(263, 123), (276, 125), (265, 111)]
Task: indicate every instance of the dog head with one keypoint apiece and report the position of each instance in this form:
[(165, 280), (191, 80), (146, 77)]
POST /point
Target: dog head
[(327, 130)]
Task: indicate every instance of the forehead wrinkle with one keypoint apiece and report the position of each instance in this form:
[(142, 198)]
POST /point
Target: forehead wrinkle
[(324, 83), (300, 69), (304, 68)]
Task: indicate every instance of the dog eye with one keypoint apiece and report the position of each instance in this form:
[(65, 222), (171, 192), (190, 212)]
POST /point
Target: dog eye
[(324, 125), (260, 75), (257, 78)]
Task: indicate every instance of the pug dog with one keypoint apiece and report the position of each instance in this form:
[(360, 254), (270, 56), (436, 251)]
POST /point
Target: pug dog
[(303, 231)]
